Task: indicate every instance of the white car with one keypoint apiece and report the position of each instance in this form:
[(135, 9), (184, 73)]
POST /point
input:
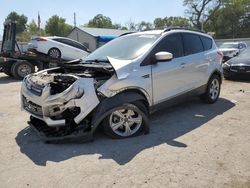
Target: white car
[(59, 47), (232, 49)]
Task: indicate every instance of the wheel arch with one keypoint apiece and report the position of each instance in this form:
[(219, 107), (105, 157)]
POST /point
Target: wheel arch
[(107, 104), (218, 73)]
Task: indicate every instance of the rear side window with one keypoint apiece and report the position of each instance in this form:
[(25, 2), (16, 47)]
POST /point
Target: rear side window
[(207, 42), (192, 44), (71, 43), (79, 46)]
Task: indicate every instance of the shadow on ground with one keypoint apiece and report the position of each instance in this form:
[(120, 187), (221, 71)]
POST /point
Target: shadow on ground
[(166, 126), (4, 79)]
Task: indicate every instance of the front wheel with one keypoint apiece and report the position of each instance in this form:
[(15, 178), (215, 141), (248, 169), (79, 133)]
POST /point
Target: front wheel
[(125, 121), (213, 90)]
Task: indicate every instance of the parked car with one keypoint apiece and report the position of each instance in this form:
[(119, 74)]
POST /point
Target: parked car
[(232, 49), (120, 83), (59, 47), (238, 67)]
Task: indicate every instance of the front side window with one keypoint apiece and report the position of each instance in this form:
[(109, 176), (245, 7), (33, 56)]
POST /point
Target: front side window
[(171, 43), (192, 43)]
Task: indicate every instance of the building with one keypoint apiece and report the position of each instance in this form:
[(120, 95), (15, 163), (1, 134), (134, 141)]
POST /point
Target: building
[(94, 37)]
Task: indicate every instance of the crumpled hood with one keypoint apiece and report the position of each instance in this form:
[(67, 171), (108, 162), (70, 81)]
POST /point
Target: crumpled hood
[(122, 67)]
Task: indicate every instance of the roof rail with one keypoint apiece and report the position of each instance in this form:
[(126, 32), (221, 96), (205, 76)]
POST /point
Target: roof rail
[(131, 32), (182, 28)]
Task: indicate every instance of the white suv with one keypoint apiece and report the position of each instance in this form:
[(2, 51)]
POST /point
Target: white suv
[(119, 84)]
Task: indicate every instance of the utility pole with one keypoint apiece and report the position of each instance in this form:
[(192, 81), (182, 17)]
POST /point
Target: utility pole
[(74, 19)]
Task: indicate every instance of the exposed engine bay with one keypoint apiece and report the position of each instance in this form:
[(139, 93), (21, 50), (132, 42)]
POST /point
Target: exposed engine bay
[(60, 100)]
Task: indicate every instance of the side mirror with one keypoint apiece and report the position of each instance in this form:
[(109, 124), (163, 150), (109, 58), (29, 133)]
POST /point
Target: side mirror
[(163, 56)]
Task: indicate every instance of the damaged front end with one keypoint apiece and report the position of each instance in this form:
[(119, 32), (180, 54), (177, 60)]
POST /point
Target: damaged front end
[(61, 100)]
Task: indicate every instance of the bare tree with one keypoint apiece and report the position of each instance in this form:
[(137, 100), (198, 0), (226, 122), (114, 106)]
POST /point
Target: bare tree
[(199, 11)]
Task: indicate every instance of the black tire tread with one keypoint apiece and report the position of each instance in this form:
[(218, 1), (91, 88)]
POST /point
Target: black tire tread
[(206, 96), (14, 67)]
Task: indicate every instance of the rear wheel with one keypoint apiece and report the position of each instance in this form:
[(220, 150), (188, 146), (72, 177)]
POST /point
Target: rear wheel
[(54, 53), (125, 121), (213, 90), (21, 69)]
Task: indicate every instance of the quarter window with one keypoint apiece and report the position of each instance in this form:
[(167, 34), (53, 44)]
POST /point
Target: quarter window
[(207, 42), (192, 44)]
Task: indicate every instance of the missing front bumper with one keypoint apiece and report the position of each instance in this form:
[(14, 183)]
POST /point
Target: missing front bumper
[(60, 134)]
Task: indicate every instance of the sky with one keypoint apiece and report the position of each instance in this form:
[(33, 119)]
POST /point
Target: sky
[(120, 11)]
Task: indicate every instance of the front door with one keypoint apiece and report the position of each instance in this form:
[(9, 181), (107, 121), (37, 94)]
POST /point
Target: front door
[(169, 78)]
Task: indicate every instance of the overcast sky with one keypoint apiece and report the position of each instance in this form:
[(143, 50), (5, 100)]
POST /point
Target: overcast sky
[(120, 11)]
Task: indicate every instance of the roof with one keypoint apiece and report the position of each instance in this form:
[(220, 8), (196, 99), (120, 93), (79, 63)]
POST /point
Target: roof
[(96, 32)]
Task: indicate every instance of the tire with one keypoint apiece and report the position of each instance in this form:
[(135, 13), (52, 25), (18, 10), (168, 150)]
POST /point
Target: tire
[(54, 53), (213, 90), (125, 121), (21, 69)]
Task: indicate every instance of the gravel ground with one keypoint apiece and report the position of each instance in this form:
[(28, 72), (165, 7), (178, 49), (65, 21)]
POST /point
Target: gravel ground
[(190, 145)]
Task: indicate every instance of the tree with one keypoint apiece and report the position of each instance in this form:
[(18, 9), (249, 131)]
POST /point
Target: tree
[(144, 26), (20, 20), (232, 19), (199, 11), (57, 26), (31, 30), (100, 21), (172, 21)]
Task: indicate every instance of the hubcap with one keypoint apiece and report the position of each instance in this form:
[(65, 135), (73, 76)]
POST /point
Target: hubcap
[(125, 122), (214, 89), (23, 70), (54, 53)]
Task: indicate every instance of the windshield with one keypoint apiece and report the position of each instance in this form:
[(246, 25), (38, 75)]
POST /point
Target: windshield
[(127, 47), (245, 53), (229, 45)]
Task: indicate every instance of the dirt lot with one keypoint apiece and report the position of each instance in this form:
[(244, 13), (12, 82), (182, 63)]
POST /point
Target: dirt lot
[(190, 145)]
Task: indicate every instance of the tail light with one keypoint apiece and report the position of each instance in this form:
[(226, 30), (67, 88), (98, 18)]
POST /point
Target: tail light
[(40, 39), (220, 53)]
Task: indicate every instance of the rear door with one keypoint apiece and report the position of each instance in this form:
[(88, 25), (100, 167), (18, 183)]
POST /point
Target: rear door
[(196, 64)]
